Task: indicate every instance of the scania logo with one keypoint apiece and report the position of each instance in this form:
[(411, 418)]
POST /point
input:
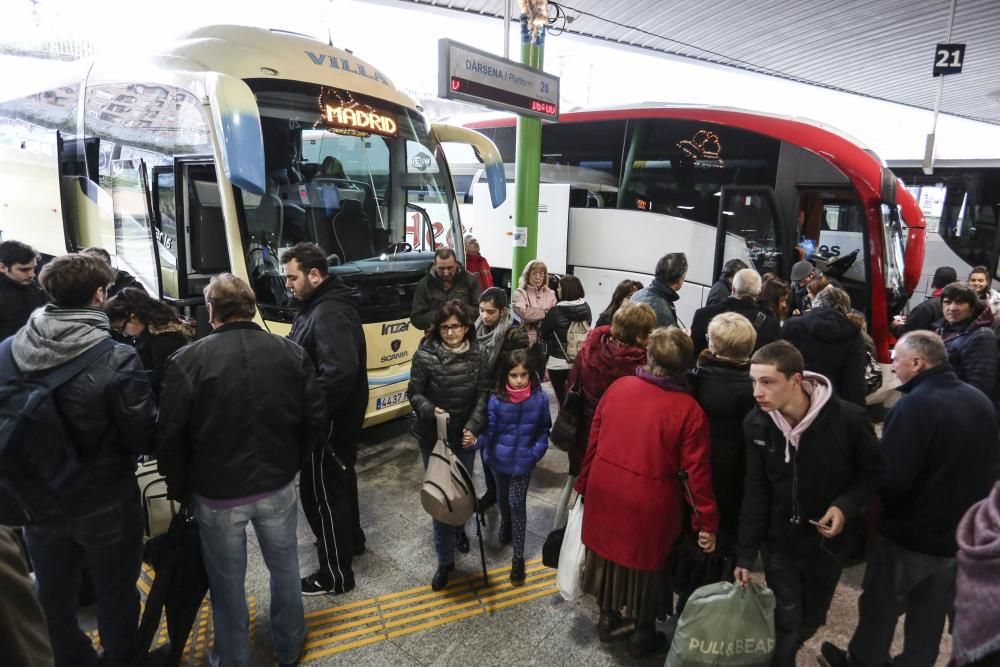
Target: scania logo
[(397, 328), (395, 345)]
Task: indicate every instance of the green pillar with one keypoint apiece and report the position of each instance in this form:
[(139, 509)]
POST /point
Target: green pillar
[(527, 162)]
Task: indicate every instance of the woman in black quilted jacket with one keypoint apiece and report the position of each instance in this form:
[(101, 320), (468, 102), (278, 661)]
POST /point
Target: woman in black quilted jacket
[(448, 376), (570, 308)]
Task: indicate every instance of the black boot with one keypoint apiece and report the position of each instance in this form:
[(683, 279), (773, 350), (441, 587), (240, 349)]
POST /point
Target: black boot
[(646, 641), (440, 579), (517, 571), (608, 623), (505, 535)]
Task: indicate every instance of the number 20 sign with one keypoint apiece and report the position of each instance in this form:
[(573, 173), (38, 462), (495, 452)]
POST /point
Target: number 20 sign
[(948, 59)]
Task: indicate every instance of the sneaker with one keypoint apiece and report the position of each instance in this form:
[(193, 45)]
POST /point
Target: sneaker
[(517, 572), (440, 579), (505, 536), (831, 655), (317, 584), (462, 543)]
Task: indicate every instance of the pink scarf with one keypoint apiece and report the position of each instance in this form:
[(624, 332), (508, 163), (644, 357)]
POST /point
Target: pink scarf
[(819, 390), (516, 396)]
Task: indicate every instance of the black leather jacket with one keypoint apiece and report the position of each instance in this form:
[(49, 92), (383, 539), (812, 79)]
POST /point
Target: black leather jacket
[(240, 411), (110, 414)]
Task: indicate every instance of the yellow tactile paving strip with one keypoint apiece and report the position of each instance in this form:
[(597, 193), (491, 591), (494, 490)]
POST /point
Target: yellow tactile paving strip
[(349, 626), (202, 633), (378, 619)]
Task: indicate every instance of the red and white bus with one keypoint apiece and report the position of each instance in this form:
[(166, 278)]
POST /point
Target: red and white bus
[(623, 186)]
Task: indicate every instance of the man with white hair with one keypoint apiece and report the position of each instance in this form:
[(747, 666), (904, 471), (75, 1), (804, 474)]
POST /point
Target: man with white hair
[(940, 449), (746, 289)]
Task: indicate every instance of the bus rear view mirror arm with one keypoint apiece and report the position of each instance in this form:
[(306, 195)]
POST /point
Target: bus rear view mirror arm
[(485, 149), (237, 124)]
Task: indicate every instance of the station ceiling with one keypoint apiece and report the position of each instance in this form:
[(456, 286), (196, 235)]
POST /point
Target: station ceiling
[(879, 48)]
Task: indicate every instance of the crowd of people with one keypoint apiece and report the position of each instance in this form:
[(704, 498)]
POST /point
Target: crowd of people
[(744, 437)]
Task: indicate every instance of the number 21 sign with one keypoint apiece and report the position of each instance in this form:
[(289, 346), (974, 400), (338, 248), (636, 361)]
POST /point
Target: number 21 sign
[(948, 59)]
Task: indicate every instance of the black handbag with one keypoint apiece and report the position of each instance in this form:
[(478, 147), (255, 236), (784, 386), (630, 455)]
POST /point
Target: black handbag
[(563, 433), (552, 547), (690, 567)]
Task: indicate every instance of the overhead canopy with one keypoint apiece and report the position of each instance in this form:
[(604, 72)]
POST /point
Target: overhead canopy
[(879, 48)]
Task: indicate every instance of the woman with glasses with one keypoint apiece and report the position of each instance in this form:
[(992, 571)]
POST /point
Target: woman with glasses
[(449, 376), (157, 331)]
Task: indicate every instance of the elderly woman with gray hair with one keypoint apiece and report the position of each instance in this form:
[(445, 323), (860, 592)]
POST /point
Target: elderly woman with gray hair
[(831, 344)]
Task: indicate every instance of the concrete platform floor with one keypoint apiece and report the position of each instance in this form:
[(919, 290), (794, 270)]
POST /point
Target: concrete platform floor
[(390, 620)]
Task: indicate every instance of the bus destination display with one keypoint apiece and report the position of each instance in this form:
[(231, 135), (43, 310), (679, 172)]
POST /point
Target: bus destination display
[(350, 116), (475, 76)]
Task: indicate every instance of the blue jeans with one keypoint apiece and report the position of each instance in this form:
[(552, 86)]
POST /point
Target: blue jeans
[(445, 534), (108, 541), (224, 545)]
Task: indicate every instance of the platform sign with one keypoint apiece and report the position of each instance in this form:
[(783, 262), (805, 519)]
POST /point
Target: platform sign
[(471, 75), (948, 59)]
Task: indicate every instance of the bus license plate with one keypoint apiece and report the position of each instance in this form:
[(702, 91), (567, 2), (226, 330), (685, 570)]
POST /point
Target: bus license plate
[(390, 400)]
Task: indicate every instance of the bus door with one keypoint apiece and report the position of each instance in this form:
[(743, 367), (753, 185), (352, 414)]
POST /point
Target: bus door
[(750, 229), (831, 234), (190, 232), (135, 245)]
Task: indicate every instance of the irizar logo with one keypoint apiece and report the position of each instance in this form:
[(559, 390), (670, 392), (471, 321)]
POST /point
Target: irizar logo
[(345, 65), (396, 328)]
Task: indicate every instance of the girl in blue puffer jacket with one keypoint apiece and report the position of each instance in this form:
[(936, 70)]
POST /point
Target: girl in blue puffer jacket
[(514, 440)]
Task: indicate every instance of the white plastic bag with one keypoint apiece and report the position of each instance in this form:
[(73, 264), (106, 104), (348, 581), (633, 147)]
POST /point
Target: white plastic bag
[(572, 555)]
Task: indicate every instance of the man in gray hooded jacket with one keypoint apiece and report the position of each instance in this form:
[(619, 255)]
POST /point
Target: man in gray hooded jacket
[(110, 416)]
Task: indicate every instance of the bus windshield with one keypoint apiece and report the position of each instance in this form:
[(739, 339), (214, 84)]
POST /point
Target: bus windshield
[(359, 176)]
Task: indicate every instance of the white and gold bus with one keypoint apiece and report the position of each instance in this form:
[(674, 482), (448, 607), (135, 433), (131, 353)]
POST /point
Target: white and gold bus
[(223, 150)]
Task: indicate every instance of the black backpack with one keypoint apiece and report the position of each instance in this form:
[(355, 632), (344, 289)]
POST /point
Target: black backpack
[(40, 469)]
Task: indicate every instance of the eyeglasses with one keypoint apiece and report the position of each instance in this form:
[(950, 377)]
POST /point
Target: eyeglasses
[(450, 328)]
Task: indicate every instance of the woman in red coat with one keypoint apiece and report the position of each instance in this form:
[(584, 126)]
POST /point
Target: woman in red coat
[(647, 429), (609, 353)]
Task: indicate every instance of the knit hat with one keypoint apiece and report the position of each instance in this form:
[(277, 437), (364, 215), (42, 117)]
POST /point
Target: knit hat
[(977, 586), (801, 270)]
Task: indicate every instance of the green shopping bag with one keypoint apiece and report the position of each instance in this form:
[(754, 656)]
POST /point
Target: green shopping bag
[(725, 625)]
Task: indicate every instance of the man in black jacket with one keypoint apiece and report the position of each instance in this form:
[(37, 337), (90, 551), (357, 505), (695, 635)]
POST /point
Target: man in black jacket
[(328, 326), (445, 280), (123, 279), (240, 411), (940, 449), (109, 413), (812, 463), (20, 294), (831, 344), (723, 287), (746, 289), (925, 314)]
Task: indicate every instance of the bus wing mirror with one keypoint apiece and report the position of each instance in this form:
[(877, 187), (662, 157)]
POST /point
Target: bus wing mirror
[(237, 125), (487, 152), (888, 187)]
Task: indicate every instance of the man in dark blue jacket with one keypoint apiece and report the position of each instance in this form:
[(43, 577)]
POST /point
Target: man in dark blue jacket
[(940, 448)]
